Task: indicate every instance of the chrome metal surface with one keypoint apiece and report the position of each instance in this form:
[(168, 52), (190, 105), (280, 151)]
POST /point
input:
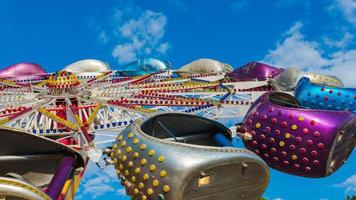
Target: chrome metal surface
[(152, 167)]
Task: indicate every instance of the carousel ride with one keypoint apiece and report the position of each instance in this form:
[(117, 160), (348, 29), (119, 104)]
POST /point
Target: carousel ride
[(170, 134)]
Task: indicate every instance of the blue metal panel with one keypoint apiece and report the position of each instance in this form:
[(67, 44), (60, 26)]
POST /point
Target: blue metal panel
[(311, 95)]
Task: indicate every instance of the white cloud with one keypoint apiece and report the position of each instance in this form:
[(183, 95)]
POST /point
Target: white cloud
[(349, 184), (127, 52), (343, 62), (97, 190), (163, 48), (99, 182), (296, 51), (278, 198), (347, 38), (103, 36), (140, 36), (348, 9), (121, 192)]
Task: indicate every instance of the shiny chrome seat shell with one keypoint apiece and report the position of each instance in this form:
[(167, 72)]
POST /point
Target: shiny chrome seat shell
[(204, 66), (29, 162), (144, 66), (11, 188), (154, 165), (312, 95), (303, 142), (87, 66), (289, 78), (254, 71)]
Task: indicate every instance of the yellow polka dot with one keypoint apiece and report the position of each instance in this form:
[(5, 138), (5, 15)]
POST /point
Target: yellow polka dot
[(152, 167), (121, 167), (281, 143), (162, 173), (127, 172), (161, 158), (151, 152), (135, 155), (143, 146), (141, 185), (133, 179), (115, 146), (294, 127), (123, 143), (165, 188), (118, 171), (143, 162), (112, 154), (123, 158), (119, 138), (119, 152), (155, 183), (300, 118), (258, 125), (137, 170), (149, 191), (143, 197), (128, 149), (145, 176), (136, 191), (130, 164), (287, 135), (294, 157), (136, 140), (130, 135)]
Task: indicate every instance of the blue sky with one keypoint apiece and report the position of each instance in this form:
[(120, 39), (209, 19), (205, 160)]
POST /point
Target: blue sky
[(310, 35)]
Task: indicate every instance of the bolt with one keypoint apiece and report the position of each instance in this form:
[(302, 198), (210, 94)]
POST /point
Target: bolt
[(202, 174), (160, 197)]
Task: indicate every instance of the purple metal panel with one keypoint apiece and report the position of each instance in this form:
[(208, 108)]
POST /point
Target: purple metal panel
[(21, 70), (254, 70), (299, 141), (63, 172)]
